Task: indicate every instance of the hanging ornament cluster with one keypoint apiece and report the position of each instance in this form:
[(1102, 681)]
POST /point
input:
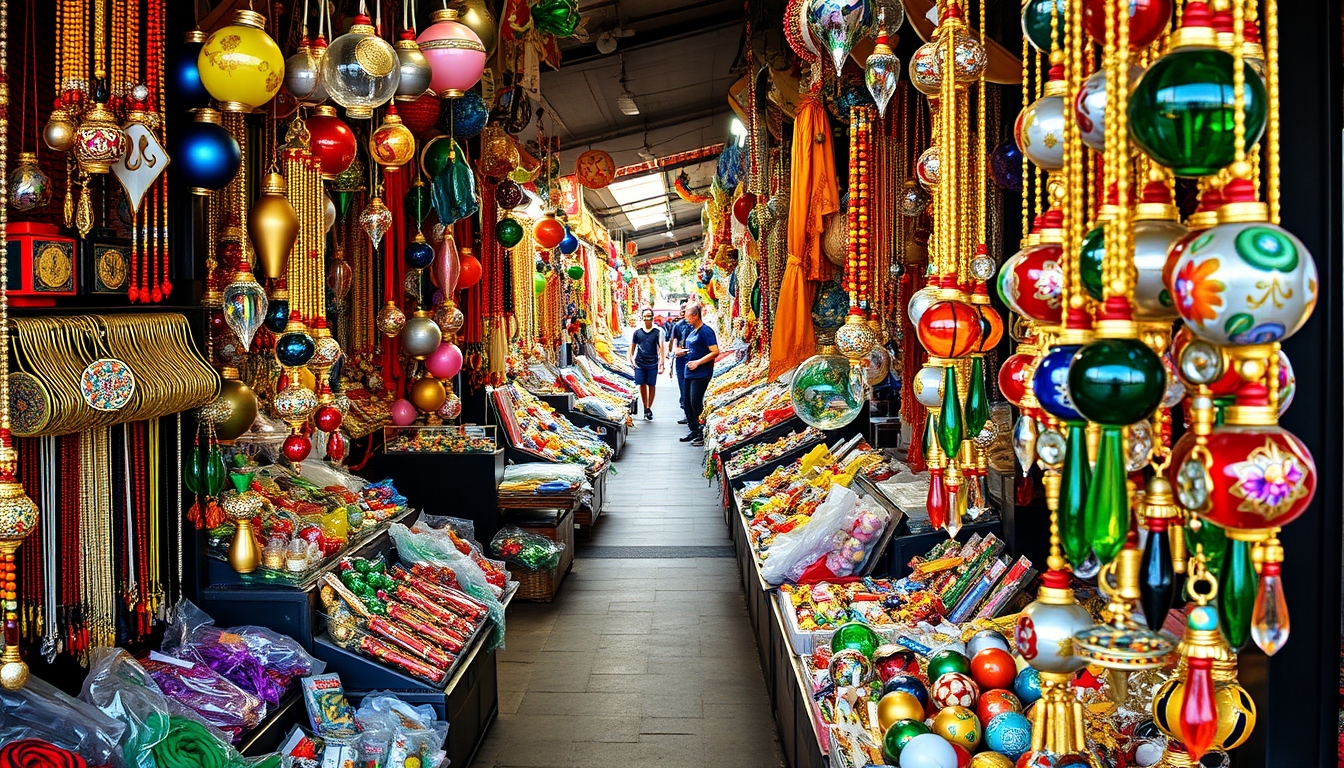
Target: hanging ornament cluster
[(1126, 310)]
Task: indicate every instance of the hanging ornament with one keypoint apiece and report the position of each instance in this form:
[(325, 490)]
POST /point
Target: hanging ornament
[(827, 392), (375, 220), (418, 201), (499, 154), (99, 140), (422, 115), (240, 65), (419, 253), (508, 232), (1038, 27), (914, 199), (29, 187), (360, 70), (420, 335), (836, 25), (455, 53), (413, 68), (595, 169), (244, 305), (548, 232), (464, 117), (447, 265), (277, 309), (184, 77), (273, 227), (1147, 20), (925, 74), (538, 283), (454, 188), (471, 271), (331, 141), (569, 244), (1005, 164), (928, 167), (1039, 129), (241, 405), (390, 319), (303, 76), (436, 156), (882, 69), (208, 157), (392, 145), (295, 347), (509, 195), (1089, 107)]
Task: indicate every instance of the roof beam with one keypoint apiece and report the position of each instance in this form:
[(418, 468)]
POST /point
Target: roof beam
[(694, 27)]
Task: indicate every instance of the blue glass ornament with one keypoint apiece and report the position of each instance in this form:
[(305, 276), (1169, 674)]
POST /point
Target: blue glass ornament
[(294, 349), (277, 315), (464, 117), (1051, 383), (570, 244), (730, 166), (853, 93), (1027, 686), (1006, 166), (184, 78), (207, 157), (419, 254), (830, 306)]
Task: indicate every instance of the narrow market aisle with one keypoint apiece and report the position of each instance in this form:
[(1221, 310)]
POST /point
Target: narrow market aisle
[(646, 657)]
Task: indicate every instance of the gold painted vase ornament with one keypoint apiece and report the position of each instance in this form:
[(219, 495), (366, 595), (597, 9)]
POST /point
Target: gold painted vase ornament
[(392, 145), (99, 141), (242, 504)]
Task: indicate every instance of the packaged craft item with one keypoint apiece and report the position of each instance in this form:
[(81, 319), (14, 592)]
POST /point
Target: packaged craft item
[(40, 712), (529, 550), (406, 736), (329, 712), (206, 692)]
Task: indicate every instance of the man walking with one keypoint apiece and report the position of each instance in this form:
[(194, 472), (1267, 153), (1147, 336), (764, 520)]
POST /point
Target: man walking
[(680, 329), (702, 345), (646, 357)]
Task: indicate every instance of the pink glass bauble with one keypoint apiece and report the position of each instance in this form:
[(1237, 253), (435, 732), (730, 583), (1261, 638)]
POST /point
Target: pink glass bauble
[(403, 413), (340, 277), (451, 408), (456, 55), (446, 361)]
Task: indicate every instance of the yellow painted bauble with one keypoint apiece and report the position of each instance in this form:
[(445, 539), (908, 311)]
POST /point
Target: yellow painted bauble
[(240, 65), (427, 394), (242, 409), (898, 705), (990, 760), (958, 725), (1235, 707), (393, 144)]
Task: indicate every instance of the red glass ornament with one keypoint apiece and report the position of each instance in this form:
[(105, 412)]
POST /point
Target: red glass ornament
[(1263, 476), (471, 272), (937, 499), (991, 328), (1199, 715), (1033, 286), (297, 448), (420, 115), (949, 329), (548, 232), (1147, 19), (996, 702), (742, 207), (1013, 380), (336, 446), (327, 418), (993, 668), (331, 141)]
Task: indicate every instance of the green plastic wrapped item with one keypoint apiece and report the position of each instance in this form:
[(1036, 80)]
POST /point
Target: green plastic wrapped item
[(454, 189), (528, 550), (190, 744)]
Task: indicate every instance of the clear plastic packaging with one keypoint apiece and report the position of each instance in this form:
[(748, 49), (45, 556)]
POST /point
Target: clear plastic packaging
[(411, 735), (436, 548), (260, 661), (839, 534), (40, 711), (526, 549), (196, 686)]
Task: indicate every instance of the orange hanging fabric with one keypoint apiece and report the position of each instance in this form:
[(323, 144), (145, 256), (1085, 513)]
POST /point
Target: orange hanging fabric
[(813, 196)]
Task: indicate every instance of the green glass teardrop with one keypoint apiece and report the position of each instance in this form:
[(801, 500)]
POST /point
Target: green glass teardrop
[(191, 471), (1214, 541), (951, 430), (215, 473), (977, 402), (1108, 498), (930, 431), (1077, 476), (1237, 585)]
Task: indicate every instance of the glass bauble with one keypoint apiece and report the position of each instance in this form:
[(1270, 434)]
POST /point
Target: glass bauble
[(295, 402), (1235, 707), (427, 394), (1153, 239), (390, 319), (340, 278), (1147, 19), (991, 326), (244, 306), (436, 156), (919, 303), (1116, 382), (548, 232), (464, 117), (421, 114), (241, 404), (875, 366), (449, 318), (1013, 377), (508, 232), (900, 734), (240, 65), (184, 76), (59, 132), (836, 25), (295, 347), (830, 305), (1050, 383), (559, 18), (207, 155), (929, 166), (420, 335), (1037, 25), (413, 68), (949, 329), (928, 386), (1245, 283), (332, 141), (569, 244), (914, 199), (1046, 627), (969, 56), (856, 635), (277, 312), (328, 213), (303, 76), (455, 53), (477, 15), (375, 220), (509, 195), (446, 268), (1089, 107), (272, 226), (1032, 282), (419, 253), (392, 145), (1039, 131), (418, 201), (1262, 477), (827, 392), (326, 349), (855, 339), (1005, 165), (1092, 252), (451, 408), (1180, 111), (925, 73), (881, 71), (29, 187), (360, 70)]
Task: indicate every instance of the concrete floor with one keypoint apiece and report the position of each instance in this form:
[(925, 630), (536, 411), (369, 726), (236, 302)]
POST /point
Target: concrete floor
[(639, 662)]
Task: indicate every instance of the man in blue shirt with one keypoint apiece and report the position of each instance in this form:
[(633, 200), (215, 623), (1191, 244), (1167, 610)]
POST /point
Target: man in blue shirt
[(646, 357), (702, 345), (680, 329)]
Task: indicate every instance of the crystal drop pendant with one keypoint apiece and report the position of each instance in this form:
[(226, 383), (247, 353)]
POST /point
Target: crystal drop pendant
[(1073, 492), (1269, 621), (1024, 442), (881, 72), (1236, 594), (375, 220), (951, 427)]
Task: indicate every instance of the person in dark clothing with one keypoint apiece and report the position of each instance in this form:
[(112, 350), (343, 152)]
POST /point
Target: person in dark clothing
[(646, 357), (680, 330), (702, 345)]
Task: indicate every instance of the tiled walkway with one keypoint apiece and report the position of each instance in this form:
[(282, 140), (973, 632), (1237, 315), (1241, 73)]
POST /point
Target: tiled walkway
[(639, 662)]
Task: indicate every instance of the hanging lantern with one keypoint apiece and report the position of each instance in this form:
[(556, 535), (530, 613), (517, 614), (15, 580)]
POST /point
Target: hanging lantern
[(413, 68), (331, 141), (184, 77), (595, 169), (361, 70), (375, 220), (273, 226), (836, 25), (29, 187), (548, 232), (1039, 129), (1180, 111), (881, 70), (240, 65), (303, 76), (392, 145), (207, 156), (455, 53), (244, 305)]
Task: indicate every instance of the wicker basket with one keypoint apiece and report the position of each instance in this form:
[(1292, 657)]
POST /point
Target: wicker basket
[(543, 584)]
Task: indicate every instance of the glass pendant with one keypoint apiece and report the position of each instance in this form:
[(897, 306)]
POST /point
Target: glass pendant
[(192, 470), (340, 278), (1024, 442), (1269, 619), (244, 305), (1073, 490), (977, 402), (882, 69), (375, 220), (836, 25), (936, 502), (1236, 594), (1157, 580), (827, 392), (1199, 712), (215, 472), (295, 347), (1107, 498), (446, 269), (29, 187), (360, 70), (951, 425)]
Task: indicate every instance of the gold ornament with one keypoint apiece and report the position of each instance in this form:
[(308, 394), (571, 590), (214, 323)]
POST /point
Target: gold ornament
[(898, 705), (273, 226), (393, 144), (427, 394), (239, 407)]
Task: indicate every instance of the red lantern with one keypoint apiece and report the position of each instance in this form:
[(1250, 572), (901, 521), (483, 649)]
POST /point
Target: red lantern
[(420, 115), (742, 207), (548, 232), (1033, 285), (949, 329), (595, 169), (471, 272), (297, 448), (1013, 380), (1147, 19), (331, 141)]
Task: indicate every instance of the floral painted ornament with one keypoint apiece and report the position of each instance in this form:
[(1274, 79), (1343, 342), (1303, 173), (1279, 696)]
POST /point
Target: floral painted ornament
[(107, 384)]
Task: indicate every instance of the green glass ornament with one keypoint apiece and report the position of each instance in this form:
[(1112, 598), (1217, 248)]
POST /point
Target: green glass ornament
[(977, 401), (556, 17), (1073, 488), (1213, 540), (1089, 266), (754, 225), (436, 156), (1237, 587), (241, 480), (539, 283), (343, 201), (191, 470), (575, 272), (508, 232), (215, 473), (418, 202), (856, 635), (898, 735), (1036, 24), (1181, 110), (930, 431), (945, 661), (1116, 382), (1108, 498), (951, 429)]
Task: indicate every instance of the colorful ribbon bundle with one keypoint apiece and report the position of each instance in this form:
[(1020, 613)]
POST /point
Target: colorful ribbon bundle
[(36, 753)]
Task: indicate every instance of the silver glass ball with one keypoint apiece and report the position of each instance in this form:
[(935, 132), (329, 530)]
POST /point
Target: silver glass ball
[(986, 638), (1050, 447), (1045, 633), (928, 386), (415, 71), (1153, 239), (303, 77), (919, 303), (420, 336)]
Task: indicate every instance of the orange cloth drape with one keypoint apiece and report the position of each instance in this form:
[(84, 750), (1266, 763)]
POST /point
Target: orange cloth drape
[(813, 195)]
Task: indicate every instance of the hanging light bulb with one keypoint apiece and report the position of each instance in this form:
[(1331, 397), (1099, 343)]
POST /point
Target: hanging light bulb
[(361, 70)]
